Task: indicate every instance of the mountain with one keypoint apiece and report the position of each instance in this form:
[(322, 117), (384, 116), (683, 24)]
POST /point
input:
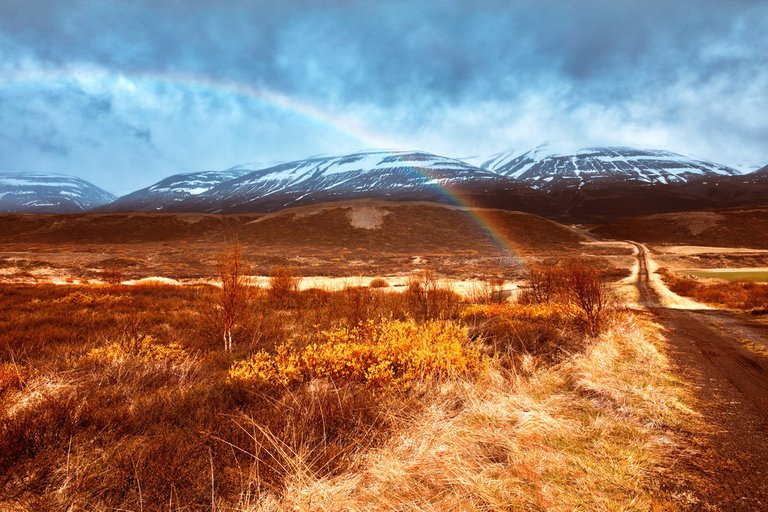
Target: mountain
[(49, 193), (391, 175), (584, 185), (165, 193), (549, 170)]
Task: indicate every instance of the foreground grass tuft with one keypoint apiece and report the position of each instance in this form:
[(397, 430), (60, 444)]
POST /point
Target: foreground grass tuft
[(589, 434)]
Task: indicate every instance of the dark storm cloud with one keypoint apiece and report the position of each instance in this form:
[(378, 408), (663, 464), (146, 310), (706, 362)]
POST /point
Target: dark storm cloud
[(451, 76)]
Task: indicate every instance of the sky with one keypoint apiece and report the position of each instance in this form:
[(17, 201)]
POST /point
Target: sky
[(124, 93)]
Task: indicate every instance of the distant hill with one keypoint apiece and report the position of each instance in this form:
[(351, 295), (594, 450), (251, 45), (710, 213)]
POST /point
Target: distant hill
[(367, 225), (734, 227), (164, 194), (49, 193)]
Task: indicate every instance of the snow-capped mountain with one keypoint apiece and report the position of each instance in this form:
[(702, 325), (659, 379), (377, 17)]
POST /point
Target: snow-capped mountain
[(550, 170), (586, 183), (165, 193), (49, 193), (400, 175)]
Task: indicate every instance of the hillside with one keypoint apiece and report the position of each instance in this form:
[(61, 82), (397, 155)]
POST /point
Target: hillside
[(736, 227), (165, 193), (335, 238), (49, 193)]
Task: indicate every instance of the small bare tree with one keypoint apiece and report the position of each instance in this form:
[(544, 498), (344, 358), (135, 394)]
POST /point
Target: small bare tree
[(546, 284), (587, 291), (284, 285), (235, 295), (427, 299), (112, 275)]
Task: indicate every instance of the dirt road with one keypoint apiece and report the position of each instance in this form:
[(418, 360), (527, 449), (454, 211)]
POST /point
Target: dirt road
[(729, 467)]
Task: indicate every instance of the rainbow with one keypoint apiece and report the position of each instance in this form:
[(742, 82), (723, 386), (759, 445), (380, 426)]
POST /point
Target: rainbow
[(337, 122)]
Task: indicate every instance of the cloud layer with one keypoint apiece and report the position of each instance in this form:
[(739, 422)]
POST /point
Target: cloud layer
[(124, 93)]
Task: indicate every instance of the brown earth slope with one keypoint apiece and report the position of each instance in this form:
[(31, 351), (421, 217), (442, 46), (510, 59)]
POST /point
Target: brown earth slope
[(736, 227), (330, 239)]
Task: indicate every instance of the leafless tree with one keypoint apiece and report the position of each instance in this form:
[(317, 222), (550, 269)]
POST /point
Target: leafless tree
[(587, 291), (283, 285), (546, 284), (235, 295)]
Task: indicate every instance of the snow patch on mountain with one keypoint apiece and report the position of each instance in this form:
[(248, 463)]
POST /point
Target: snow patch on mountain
[(177, 188), (381, 173), (546, 168), (49, 193)]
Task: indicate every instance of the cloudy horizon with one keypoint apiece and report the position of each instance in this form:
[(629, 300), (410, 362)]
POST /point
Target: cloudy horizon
[(123, 94)]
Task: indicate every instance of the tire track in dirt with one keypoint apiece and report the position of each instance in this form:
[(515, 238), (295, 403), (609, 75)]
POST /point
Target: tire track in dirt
[(729, 467)]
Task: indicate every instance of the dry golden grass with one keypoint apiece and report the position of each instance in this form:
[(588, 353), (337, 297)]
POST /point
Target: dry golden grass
[(589, 434), (744, 295), (118, 397)]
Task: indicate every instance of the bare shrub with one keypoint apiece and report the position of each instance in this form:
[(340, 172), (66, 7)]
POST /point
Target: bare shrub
[(112, 275), (546, 284), (587, 291), (573, 283), (490, 291), (234, 297), (378, 282), (427, 299), (283, 286)]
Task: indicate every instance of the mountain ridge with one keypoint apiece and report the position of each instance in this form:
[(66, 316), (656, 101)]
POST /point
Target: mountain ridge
[(41, 192), (545, 168), (582, 183)]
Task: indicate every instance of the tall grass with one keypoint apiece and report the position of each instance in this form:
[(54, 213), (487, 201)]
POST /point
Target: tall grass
[(588, 434), (117, 397)]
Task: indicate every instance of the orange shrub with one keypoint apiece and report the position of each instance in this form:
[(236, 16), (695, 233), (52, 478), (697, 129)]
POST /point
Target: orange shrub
[(144, 347), (378, 282), (746, 295), (388, 353), (283, 286), (85, 299), (549, 331)]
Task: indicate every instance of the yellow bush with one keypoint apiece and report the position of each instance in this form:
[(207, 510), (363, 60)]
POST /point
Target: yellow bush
[(547, 330), (392, 352), (536, 312), (144, 347), (90, 300)]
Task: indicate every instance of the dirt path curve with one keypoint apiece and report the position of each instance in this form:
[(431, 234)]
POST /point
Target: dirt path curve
[(730, 470)]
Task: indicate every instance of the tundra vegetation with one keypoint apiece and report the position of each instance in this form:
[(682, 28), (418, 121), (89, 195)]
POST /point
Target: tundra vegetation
[(738, 294), (239, 398)]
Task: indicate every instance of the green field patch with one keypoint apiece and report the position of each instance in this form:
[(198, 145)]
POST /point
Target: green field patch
[(757, 275)]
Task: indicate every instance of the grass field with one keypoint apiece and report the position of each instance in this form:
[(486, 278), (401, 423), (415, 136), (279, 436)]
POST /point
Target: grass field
[(123, 398), (756, 275)]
